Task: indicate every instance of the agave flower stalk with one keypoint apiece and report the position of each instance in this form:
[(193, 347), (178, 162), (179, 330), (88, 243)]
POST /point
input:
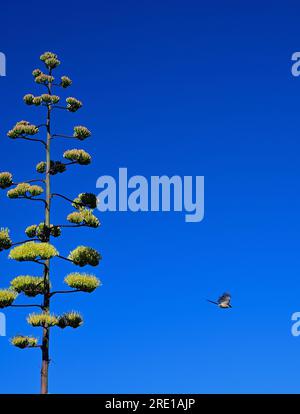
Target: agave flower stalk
[(39, 247)]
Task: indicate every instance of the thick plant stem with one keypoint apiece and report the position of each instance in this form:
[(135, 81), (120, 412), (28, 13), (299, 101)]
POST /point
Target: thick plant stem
[(46, 304)]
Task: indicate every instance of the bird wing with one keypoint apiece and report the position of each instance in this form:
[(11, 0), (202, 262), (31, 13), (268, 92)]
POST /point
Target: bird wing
[(215, 303), (225, 299)]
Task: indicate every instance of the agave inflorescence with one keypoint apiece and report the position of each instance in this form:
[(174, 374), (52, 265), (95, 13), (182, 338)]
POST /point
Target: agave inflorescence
[(5, 180), (5, 240), (7, 297), (82, 281), (83, 256), (29, 285), (72, 319), (38, 248), (78, 155), (33, 251), (42, 319), (22, 342)]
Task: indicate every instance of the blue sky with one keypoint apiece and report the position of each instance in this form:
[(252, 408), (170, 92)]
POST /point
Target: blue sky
[(169, 87)]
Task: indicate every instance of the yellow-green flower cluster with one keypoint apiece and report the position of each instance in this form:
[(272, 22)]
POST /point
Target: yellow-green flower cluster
[(65, 81), (50, 60), (84, 217), (42, 319), (41, 167), (22, 342), (5, 240), (86, 200), (82, 281), (6, 180), (25, 190), (83, 256), (78, 155), (35, 190), (36, 72), (28, 99), (33, 251), (46, 98), (55, 167), (50, 99), (37, 101), (29, 285), (73, 104), (31, 231), (22, 128), (41, 77), (7, 297), (42, 231), (44, 79), (72, 319), (81, 132)]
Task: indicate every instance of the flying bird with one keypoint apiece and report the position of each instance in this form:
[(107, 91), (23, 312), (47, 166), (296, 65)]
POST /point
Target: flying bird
[(223, 301)]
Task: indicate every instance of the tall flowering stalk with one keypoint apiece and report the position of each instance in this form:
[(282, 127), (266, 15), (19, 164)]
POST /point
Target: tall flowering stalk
[(38, 247)]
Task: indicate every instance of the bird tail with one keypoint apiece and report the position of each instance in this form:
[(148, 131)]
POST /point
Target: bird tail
[(215, 303)]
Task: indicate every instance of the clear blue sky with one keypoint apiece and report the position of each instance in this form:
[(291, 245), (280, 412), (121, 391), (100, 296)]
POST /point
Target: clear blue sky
[(169, 87)]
